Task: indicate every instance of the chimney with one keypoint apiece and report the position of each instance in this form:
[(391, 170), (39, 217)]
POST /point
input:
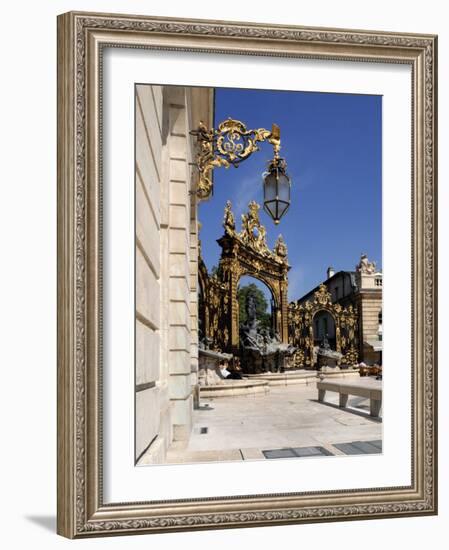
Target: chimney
[(330, 272)]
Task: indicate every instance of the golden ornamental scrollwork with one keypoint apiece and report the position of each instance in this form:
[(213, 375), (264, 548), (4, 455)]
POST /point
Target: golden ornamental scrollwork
[(253, 234), (351, 355), (301, 330), (322, 296), (214, 306), (228, 145), (299, 359), (244, 252)]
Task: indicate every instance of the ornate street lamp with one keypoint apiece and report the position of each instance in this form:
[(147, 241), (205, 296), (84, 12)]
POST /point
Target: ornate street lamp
[(230, 144), (276, 189)]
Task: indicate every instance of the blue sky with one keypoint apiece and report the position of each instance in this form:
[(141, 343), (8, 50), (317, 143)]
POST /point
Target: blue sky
[(332, 145)]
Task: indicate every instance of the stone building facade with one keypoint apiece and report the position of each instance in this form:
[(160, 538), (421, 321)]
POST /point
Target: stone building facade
[(166, 266), (362, 289)]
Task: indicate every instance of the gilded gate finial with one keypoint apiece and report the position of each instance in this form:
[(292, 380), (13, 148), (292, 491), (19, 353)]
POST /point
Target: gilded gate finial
[(280, 248), (228, 220)]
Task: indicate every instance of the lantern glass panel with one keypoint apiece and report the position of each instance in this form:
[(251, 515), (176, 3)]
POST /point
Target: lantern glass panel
[(284, 188), (282, 208), (270, 191), (271, 208)]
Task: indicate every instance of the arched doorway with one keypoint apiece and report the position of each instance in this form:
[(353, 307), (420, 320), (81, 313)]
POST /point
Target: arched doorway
[(324, 327)]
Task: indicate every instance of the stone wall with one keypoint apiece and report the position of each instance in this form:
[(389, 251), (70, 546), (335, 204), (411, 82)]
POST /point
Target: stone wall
[(152, 404), (371, 306), (166, 299)]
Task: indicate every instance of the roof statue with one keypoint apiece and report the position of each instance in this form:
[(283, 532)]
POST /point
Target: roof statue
[(365, 266)]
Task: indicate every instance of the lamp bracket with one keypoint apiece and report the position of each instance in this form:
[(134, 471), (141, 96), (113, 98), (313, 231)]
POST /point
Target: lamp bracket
[(230, 144)]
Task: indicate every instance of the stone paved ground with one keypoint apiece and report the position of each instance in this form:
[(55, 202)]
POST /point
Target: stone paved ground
[(241, 428)]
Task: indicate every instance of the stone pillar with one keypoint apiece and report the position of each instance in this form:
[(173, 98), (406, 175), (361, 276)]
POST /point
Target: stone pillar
[(180, 390), (194, 299)]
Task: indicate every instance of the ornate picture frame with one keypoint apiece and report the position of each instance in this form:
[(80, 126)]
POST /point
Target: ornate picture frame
[(82, 38)]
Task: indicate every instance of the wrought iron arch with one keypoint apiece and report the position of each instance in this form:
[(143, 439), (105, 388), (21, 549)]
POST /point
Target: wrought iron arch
[(246, 253), (301, 317), (266, 281)]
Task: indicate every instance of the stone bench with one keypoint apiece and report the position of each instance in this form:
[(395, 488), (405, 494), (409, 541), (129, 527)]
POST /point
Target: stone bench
[(371, 389)]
